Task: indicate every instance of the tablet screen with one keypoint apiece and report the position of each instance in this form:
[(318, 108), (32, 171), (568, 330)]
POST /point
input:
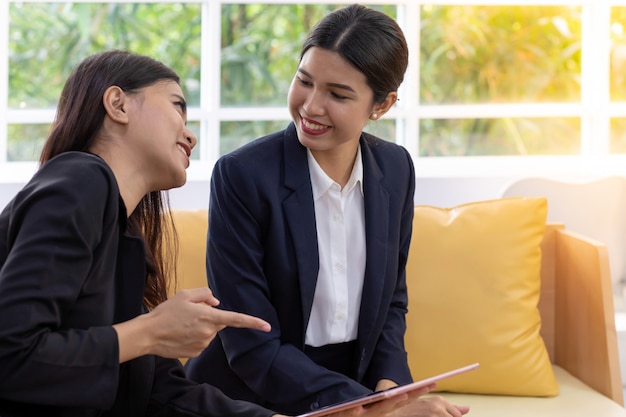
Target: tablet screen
[(380, 395)]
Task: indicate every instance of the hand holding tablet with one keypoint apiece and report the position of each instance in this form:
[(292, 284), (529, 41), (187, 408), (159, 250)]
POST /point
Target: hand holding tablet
[(381, 395)]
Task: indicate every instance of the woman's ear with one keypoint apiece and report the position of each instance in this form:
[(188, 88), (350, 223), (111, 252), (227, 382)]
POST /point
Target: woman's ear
[(381, 108), (115, 103)]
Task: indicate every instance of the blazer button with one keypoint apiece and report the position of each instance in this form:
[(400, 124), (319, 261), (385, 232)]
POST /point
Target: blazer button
[(315, 405)]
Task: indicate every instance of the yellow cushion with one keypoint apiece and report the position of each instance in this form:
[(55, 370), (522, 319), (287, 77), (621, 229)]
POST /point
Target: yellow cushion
[(473, 278), (191, 228)]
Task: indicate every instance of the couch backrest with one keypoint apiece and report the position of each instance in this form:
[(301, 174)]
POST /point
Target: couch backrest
[(599, 210), (191, 227), (576, 304)]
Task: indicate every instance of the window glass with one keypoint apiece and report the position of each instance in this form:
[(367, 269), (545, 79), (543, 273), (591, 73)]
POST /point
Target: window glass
[(618, 54), (382, 128), (25, 141), (500, 54), (466, 58), (195, 128), (618, 135), (261, 49), (235, 134), (46, 40), (508, 136)]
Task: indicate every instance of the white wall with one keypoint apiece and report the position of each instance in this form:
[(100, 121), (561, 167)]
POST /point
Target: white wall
[(441, 192), (452, 191), (7, 191)]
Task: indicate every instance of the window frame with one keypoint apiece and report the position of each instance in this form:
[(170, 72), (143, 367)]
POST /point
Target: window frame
[(594, 110)]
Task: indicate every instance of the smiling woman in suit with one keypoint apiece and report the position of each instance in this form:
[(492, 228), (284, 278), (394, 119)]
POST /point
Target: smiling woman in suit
[(309, 229), (86, 328)]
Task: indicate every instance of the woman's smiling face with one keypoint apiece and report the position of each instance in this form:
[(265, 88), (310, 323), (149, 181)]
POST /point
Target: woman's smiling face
[(160, 134), (329, 101)]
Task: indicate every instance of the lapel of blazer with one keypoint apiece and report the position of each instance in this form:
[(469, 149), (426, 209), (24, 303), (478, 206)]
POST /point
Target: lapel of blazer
[(300, 215), (376, 201)]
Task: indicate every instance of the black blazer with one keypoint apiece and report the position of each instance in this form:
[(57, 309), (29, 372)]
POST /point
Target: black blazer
[(67, 273), (262, 259)]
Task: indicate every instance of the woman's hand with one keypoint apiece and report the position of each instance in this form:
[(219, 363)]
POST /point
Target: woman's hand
[(417, 406), (382, 408), (431, 406), (408, 405), (180, 327), (385, 407)]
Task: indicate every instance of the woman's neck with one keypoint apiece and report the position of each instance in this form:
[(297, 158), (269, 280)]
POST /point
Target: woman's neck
[(130, 183), (337, 164)]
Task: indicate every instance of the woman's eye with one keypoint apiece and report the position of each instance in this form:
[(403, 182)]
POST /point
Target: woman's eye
[(182, 106), (304, 82), (339, 96)]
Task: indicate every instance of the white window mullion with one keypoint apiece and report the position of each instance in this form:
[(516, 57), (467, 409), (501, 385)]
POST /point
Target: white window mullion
[(407, 124), (595, 81), (490, 110), (4, 79), (210, 79)]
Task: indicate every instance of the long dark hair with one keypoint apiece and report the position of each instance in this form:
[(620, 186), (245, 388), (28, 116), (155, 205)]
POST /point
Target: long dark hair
[(369, 40), (79, 118)]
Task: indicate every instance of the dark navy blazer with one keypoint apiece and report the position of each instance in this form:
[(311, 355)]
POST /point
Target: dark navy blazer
[(262, 259), (67, 273)]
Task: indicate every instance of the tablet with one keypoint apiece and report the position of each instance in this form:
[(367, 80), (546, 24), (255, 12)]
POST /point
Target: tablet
[(381, 395)]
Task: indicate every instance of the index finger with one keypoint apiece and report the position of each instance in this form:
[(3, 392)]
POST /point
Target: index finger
[(233, 319)]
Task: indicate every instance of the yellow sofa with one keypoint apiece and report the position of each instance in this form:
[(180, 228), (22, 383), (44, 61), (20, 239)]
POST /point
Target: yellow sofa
[(577, 316)]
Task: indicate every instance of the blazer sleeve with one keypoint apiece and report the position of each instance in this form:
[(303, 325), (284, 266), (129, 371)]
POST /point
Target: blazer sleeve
[(48, 236), (175, 395), (277, 371)]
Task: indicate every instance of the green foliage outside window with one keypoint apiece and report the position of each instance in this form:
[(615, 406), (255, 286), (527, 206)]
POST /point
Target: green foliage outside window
[(46, 40), (261, 49), (25, 141), (503, 136), (618, 76), (499, 54), (468, 55), (618, 54)]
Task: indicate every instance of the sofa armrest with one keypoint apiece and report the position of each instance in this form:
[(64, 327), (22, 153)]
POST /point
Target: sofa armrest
[(585, 339)]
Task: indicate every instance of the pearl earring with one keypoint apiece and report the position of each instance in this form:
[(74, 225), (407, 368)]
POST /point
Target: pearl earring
[(374, 115)]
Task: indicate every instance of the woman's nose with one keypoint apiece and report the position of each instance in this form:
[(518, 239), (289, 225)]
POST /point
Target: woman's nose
[(191, 138), (314, 104)]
